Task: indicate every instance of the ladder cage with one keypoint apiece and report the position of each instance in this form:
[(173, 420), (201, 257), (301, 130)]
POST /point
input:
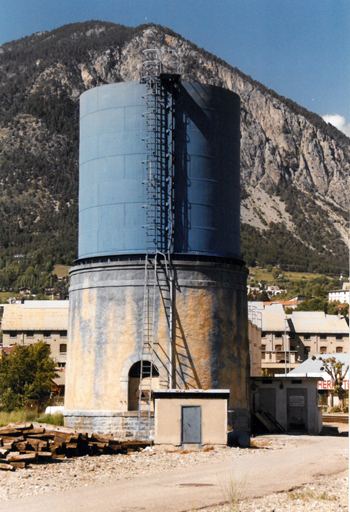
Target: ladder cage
[(160, 73)]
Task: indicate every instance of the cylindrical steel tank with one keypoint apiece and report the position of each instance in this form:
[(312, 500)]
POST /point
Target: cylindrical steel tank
[(207, 188), (208, 344)]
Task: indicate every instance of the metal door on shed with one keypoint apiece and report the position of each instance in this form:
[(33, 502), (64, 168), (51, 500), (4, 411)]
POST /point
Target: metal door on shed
[(191, 424), (267, 401), (297, 410)]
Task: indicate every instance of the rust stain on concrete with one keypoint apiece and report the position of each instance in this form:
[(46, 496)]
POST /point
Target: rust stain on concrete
[(193, 328)]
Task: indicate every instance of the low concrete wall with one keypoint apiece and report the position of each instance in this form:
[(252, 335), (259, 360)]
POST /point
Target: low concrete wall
[(123, 425)]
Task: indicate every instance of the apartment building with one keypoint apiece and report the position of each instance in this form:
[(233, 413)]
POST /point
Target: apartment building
[(32, 321), (288, 340)]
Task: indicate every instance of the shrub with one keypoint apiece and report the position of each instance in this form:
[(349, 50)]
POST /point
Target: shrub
[(52, 419), (336, 409), (26, 374)]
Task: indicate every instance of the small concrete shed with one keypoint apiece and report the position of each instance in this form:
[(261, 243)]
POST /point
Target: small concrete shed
[(292, 402), (194, 417)]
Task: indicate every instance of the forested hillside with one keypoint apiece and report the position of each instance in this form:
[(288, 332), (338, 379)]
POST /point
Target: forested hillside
[(295, 167)]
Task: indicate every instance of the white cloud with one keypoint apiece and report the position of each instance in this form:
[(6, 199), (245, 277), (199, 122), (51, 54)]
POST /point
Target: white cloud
[(339, 122)]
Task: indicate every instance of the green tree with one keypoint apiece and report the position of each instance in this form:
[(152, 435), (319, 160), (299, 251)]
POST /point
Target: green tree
[(312, 305), (26, 373), (337, 373), (333, 308)]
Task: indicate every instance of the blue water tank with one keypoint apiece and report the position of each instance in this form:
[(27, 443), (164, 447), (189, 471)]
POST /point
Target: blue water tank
[(206, 171)]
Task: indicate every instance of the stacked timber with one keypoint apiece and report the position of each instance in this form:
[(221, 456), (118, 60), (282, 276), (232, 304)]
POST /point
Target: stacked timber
[(24, 443)]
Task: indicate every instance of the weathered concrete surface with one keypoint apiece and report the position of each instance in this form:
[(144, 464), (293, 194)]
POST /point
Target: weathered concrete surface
[(265, 472), (209, 341)]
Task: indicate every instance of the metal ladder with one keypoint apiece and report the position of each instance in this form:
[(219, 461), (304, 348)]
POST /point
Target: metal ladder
[(159, 164)]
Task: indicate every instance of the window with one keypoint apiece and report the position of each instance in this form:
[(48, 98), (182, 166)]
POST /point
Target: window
[(63, 348), (307, 337), (30, 334), (278, 348), (339, 337), (278, 335), (63, 334), (47, 334), (306, 350), (323, 350), (61, 365), (263, 334), (263, 347), (339, 349), (323, 336), (13, 334)]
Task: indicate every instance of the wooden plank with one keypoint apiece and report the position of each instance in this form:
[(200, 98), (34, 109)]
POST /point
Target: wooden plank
[(20, 465), (15, 427), (6, 467), (21, 447), (60, 439), (22, 426), (99, 445), (6, 439), (74, 438), (45, 435), (36, 444), (265, 422), (4, 431), (58, 456), (22, 457), (53, 428), (45, 455), (8, 446), (71, 446), (31, 431), (100, 439), (275, 422)]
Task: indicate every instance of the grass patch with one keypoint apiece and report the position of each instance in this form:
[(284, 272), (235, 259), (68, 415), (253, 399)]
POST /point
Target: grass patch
[(302, 494), (234, 490), (22, 415), (308, 495), (12, 417), (52, 419), (261, 274), (61, 270), (4, 296)]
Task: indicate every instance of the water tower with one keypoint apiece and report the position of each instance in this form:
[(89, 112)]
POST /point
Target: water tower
[(158, 294)]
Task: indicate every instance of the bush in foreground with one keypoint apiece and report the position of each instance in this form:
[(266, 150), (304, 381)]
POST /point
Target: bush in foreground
[(27, 373)]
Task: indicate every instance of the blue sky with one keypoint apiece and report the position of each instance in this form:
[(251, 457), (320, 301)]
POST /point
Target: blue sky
[(299, 48)]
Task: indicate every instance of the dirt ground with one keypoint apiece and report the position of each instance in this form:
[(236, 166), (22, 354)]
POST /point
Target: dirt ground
[(325, 493)]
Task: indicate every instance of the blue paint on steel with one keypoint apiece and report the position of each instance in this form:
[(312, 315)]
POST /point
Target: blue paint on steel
[(207, 189)]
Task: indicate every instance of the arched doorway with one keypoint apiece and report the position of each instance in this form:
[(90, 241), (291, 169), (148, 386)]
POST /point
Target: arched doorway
[(134, 382)]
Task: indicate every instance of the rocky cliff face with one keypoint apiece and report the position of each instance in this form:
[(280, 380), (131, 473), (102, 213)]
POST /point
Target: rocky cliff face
[(295, 168)]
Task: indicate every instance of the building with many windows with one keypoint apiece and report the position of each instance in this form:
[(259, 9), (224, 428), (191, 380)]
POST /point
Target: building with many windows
[(32, 321), (288, 340), (340, 295), (313, 332)]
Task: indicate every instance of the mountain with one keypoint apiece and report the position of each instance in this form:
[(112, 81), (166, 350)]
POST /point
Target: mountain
[(294, 167)]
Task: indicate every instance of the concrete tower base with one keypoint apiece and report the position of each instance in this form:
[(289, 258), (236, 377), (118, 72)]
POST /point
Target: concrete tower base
[(208, 347)]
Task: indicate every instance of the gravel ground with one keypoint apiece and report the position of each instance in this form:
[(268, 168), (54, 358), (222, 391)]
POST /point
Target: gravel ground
[(327, 494)]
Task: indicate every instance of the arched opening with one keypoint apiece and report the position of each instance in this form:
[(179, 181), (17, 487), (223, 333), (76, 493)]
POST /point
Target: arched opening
[(134, 382)]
